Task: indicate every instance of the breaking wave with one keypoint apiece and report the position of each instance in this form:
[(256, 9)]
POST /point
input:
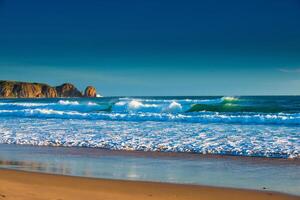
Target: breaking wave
[(214, 110), (247, 126)]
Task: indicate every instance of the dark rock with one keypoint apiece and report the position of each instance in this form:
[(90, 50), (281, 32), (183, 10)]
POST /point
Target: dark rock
[(68, 90), (49, 92)]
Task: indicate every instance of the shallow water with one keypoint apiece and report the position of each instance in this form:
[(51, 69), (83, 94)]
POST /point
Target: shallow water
[(253, 173), (245, 126)]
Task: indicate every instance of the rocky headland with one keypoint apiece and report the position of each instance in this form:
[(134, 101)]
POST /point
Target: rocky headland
[(14, 89)]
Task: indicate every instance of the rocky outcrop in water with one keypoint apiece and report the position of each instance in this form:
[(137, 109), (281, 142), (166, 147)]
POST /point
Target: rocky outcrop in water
[(90, 91), (14, 89)]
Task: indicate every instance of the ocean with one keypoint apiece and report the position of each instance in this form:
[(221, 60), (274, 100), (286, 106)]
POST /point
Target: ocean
[(251, 126)]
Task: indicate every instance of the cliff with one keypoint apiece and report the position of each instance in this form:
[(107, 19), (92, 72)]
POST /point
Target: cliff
[(13, 89)]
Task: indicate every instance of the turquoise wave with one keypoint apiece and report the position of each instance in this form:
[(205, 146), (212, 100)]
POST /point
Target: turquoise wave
[(247, 126), (229, 107)]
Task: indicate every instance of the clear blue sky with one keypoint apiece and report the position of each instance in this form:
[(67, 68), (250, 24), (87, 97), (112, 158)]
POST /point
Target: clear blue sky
[(154, 47)]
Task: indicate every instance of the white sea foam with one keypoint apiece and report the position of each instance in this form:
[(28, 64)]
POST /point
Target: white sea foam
[(136, 105), (62, 105), (22, 104), (175, 107), (92, 104), (246, 140), (228, 98), (66, 102), (204, 117), (181, 101), (150, 125), (123, 105)]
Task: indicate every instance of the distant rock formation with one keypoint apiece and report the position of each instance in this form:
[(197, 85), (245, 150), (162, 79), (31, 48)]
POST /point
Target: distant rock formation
[(49, 92), (68, 90), (13, 89), (90, 91)]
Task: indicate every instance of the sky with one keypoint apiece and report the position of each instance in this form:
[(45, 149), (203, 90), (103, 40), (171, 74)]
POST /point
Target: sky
[(154, 47)]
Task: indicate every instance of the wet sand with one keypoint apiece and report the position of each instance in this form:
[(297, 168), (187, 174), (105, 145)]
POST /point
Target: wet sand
[(263, 174), (30, 186)]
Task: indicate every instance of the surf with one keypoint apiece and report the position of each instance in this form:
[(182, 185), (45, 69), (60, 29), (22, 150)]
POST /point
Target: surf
[(245, 126), (227, 109)]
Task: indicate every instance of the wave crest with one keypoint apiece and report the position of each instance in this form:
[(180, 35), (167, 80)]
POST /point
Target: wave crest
[(213, 110), (229, 99)]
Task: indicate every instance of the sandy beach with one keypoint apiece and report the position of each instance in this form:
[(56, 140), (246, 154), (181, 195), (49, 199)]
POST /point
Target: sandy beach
[(27, 185)]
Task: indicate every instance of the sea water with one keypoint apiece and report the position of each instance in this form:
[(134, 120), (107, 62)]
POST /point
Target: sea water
[(260, 126)]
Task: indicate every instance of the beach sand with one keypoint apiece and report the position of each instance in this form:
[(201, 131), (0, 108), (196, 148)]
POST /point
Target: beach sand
[(30, 186)]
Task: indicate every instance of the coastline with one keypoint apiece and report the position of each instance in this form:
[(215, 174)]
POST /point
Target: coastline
[(95, 151), (31, 185)]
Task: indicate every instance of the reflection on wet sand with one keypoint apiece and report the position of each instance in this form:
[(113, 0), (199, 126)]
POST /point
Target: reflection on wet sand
[(254, 173), (36, 166)]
